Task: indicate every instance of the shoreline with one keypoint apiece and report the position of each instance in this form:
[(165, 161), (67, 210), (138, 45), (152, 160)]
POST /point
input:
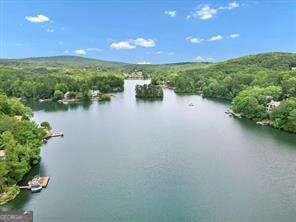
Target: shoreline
[(10, 194)]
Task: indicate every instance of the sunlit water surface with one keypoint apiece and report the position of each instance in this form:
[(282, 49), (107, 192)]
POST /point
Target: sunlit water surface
[(137, 161)]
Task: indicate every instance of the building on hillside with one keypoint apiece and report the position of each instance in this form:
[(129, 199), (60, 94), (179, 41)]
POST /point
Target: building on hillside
[(2, 154), (271, 105), (94, 93), (67, 95)]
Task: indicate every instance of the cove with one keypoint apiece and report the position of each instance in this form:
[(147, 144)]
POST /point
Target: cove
[(133, 160)]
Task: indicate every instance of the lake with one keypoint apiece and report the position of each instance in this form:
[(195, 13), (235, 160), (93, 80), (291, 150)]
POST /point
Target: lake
[(150, 161)]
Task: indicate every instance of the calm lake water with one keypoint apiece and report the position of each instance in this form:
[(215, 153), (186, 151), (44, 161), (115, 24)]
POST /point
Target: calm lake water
[(136, 161)]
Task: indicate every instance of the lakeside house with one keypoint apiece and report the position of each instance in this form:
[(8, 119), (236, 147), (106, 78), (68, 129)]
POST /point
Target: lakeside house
[(271, 105), (67, 96), (94, 93), (19, 118), (2, 154)]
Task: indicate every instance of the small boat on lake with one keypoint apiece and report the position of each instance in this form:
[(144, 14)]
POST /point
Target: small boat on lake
[(34, 185), (37, 183), (35, 188)]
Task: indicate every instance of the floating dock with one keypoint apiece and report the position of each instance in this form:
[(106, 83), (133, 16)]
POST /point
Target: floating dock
[(42, 181), (264, 122), (231, 113), (53, 134)]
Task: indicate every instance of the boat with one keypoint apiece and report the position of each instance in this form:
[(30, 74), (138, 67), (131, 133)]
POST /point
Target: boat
[(34, 185), (35, 188), (264, 122), (191, 104)]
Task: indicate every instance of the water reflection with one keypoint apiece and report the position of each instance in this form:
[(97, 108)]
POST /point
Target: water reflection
[(267, 131), (25, 195), (53, 106)]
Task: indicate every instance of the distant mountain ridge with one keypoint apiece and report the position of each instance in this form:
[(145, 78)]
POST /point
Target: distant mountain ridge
[(63, 60), (272, 60)]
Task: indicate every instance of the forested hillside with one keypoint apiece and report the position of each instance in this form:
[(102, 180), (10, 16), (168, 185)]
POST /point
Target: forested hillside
[(67, 62), (250, 82), (54, 83), (20, 142)]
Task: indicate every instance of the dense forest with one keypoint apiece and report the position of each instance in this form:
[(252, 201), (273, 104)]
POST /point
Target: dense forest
[(42, 83), (250, 82), (20, 142), (149, 91), (260, 87)]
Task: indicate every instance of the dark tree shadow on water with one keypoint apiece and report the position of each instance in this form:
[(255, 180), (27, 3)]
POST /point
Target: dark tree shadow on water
[(25, 195), (268, 131), (54, 107)]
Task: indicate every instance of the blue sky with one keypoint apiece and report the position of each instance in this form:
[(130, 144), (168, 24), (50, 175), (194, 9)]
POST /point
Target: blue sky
[(146, 31)]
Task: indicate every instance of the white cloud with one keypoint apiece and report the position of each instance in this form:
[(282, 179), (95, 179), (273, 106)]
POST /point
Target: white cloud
[(94, 50), (215, 38), (80, 52), (207, 12), (37, 19), (158, 52), (50, 30), (194, 40), (147, 43), (171, 13), (202, 59), (199, 59), (122, 45), (234, 36), (233, 5), (66, 51), (133, 43), (144, 63)]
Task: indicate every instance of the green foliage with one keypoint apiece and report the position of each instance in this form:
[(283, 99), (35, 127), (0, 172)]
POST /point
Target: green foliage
[(20, 139), (58, 95), (284, 116), (184, 84), (250, 82), (8, 193), (62, 87), (45, 125), (58, 62), (289, 86), (29, 84), (251, 102), (13, 107), (104, 97), (149, 91)]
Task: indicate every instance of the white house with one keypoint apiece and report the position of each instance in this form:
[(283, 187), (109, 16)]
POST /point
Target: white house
[(271, 105), (2, 153)]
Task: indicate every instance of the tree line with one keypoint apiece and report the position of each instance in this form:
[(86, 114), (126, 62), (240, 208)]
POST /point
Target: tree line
[(250, 82), (20, 141), (30, 84)]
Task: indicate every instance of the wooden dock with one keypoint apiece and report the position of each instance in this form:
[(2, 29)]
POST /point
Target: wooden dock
[(231, 113), (53, 134), (42, 181), (25, 187)]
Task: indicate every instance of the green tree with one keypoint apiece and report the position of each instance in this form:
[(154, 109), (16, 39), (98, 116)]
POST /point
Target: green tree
[(58, 95)]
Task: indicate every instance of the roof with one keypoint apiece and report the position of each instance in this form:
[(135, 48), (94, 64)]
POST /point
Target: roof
[(2, 153)]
